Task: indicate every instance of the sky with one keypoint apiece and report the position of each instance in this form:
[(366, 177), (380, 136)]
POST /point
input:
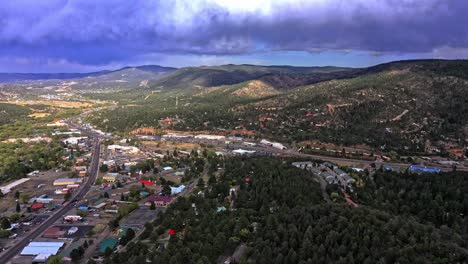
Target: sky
[(92, 35)]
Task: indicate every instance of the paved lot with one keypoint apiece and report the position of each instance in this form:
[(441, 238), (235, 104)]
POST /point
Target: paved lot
[(140, 216)]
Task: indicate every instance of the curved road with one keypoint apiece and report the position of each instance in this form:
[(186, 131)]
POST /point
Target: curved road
[(17, 248)]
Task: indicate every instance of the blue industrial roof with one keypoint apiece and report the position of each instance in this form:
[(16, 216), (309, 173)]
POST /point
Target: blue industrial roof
[(37, 248), (424, 169)]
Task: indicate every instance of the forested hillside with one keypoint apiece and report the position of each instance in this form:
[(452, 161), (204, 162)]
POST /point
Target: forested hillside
[(399, 106), (278, 215), (441, 200), (196, 77), (10, 113)]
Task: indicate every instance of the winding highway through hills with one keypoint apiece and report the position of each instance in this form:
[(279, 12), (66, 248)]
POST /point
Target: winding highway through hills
[(16, 249)]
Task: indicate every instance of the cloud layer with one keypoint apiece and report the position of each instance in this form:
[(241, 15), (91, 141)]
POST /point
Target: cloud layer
[(90, 32)]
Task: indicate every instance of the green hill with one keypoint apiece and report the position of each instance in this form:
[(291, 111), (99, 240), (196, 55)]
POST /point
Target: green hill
[(403, 106), (205, 76)]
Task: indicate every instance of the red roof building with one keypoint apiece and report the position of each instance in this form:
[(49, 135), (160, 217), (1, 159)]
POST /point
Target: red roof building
[(37, 206), (147, 183)]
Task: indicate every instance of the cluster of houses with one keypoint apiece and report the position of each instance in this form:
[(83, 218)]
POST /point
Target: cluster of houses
[(329, 172)]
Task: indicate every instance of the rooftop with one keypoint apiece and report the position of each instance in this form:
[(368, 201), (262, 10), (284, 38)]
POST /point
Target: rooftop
[(37, 248)]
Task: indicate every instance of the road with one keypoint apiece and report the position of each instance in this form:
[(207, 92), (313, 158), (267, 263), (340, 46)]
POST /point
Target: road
[(16, 249), (291, 152)]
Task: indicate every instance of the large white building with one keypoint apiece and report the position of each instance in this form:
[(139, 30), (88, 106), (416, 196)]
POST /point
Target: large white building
[(7, 188), (38, 248)]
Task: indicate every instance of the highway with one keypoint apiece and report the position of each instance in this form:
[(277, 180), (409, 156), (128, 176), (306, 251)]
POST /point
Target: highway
[(17, 248), (293, 153)]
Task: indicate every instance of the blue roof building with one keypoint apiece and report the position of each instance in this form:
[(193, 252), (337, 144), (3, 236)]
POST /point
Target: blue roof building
[(415, 168)]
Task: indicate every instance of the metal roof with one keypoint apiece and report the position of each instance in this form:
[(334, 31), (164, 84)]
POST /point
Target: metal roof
[(38, 248)]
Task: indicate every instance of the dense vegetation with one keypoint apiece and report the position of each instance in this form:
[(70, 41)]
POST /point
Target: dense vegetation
[(17, 159), (10, 113), (438, 199), (278, 215)]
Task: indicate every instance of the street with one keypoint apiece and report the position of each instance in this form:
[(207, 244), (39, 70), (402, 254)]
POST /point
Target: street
[(16, 249)]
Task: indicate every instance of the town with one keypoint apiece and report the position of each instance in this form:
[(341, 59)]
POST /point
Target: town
[(114, 186)]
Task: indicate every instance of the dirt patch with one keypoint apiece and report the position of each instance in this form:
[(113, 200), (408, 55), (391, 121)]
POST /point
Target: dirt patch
[(256, 89)]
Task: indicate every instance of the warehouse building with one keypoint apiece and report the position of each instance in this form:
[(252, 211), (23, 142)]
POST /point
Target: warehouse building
[(68, 181), (42, 248)]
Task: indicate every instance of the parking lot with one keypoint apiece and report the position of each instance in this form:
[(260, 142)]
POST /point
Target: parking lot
[(140, 216)]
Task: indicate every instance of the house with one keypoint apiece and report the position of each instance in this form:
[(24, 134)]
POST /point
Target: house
[(167, 168), (303, 164), (158, 200), (177, 190), (101, 202), (148, 183)]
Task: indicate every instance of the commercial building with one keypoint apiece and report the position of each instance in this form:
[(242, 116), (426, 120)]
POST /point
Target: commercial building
[(67, 181), (422, 169), (38, 248), (210, 137), (243, 151), (110, 177), (54, 232), (7, 188), (108, 243), (158, 200)]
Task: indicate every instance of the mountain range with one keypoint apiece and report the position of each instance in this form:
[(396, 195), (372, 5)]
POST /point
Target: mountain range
[(406, 106)]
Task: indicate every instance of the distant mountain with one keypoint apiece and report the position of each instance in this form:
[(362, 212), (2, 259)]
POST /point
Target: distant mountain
[(19, 77), (127, 77), (406, 106), (209, 76)]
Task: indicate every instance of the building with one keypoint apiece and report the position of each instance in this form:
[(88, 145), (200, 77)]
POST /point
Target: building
[(243, 151), (210, 137), (303, 164), (101, 202), (42, 200), (421, 169), (147, 182), (130, 149), (37, 206), (158, 200), (41, 258), (38, 248), (67, 181), (7, 188), (72, 218), (73, 140), (110, 177), (54, 232), (177, 190), (108, 243)]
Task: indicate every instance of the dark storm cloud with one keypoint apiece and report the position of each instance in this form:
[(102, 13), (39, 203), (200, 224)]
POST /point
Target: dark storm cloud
[(94, 32)]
